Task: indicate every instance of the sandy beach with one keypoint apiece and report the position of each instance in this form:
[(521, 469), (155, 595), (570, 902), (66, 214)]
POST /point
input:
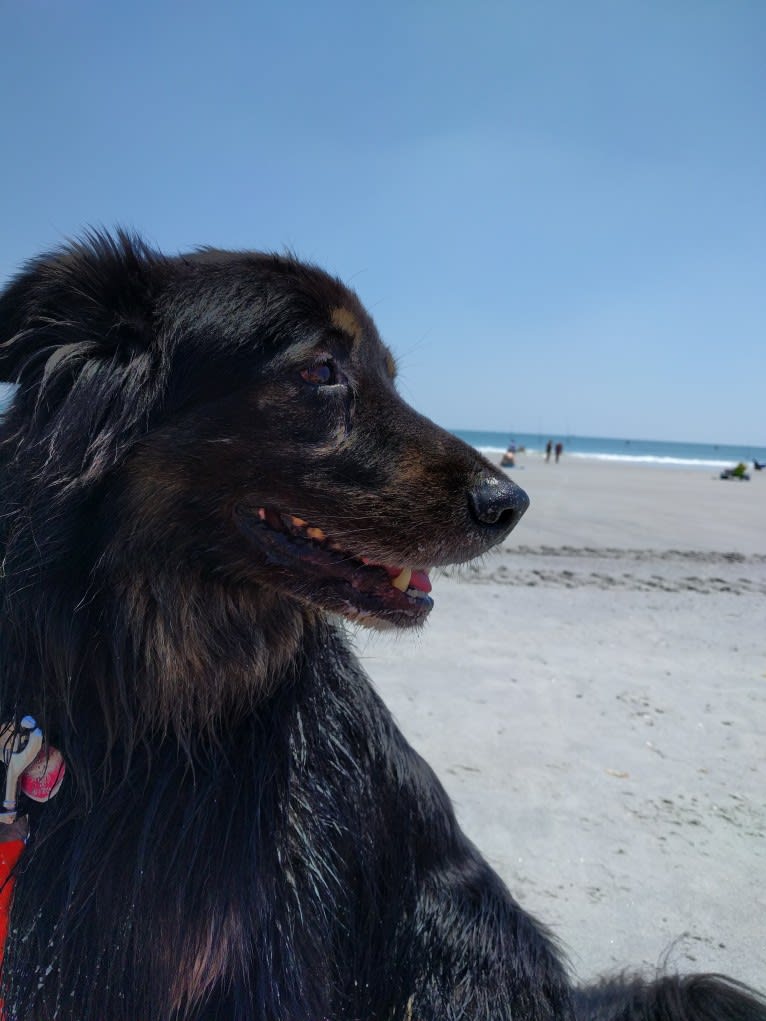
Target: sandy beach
[(593, 696)]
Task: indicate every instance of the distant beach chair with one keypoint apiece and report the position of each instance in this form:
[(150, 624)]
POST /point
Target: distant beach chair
[(759, 465), (738, 472)]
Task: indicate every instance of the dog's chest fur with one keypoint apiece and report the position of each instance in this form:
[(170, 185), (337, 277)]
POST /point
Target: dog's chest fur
[(285, 800)]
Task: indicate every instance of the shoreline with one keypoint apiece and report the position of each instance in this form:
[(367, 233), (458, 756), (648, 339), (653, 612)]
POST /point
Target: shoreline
[(638, 460), (671, 453)]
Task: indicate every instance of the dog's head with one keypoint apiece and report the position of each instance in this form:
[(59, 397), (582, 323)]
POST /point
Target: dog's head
[(236, 415)]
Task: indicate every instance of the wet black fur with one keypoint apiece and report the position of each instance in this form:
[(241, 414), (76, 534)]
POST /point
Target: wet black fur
[(243, 833)]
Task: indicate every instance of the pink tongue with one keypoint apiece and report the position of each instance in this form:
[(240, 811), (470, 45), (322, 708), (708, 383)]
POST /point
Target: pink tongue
[(419, 579)]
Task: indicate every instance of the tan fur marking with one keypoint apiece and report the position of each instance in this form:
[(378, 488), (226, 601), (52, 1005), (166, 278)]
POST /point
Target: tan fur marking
[(209, 961), (180, 620), (344, 319), (180, 624)]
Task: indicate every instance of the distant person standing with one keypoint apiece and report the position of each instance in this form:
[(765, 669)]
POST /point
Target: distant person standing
[(548, 449), (559, 449)]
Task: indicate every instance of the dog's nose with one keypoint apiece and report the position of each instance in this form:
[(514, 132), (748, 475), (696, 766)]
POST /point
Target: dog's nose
[(497, 503)]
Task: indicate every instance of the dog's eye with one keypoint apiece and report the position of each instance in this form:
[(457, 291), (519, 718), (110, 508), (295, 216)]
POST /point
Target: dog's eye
[(320, 374)]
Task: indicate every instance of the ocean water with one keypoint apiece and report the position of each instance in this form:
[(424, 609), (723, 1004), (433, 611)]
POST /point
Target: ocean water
[(602, 448), (631, 451)]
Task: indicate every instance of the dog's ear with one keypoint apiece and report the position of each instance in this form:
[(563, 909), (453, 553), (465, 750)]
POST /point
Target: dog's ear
[(77, 334), (89, 300)]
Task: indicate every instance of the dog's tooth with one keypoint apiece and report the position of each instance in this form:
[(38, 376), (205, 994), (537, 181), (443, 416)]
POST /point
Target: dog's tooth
[(402, 580), (316, 533)]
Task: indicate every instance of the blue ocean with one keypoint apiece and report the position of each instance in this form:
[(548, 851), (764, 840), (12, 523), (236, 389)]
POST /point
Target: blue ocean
[(603, 448)]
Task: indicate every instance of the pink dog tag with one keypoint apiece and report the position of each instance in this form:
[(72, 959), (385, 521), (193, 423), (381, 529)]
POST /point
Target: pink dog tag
[(42, 778)]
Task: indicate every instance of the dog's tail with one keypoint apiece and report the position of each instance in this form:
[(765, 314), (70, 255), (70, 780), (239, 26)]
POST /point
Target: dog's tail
[(669, 998)]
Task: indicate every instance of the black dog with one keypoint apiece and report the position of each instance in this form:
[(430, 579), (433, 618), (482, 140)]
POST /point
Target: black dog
[(205, 463)]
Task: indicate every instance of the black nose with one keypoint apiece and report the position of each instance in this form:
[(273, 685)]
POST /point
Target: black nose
[(497, 503)]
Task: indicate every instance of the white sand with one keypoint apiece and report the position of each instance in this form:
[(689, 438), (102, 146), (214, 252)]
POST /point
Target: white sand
[(593, 696)]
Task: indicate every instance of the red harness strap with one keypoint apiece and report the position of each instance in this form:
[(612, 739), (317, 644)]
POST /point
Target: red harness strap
[(10, 852), (38, 772)]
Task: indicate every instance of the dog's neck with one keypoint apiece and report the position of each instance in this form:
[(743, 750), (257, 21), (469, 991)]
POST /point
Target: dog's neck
[(202, 652)]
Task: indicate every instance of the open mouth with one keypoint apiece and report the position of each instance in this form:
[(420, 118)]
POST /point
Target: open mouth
[(319, 570)]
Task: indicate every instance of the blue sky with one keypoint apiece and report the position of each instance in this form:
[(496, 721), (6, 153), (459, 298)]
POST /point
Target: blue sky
[(556, 212)]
